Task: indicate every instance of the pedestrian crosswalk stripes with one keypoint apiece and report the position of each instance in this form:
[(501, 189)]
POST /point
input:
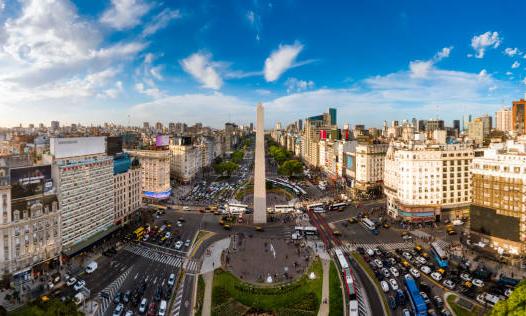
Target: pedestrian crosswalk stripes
[(190, 265), (442, 243), (110, 290), (385, 246), (178, 300)]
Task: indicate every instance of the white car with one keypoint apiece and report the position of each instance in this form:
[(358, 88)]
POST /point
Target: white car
[(370, 252), (465, 277), (385, 272), (143, 306), (385, 286), (71, 281), (449, 284), (394, 271), (436, 276), (171, 279), (394, 284), (421, 260), (178, 244), (128, 313), (80, 284), (407, 255), (118, 310), (378, 263), (425, 269), (414, 272), (477, 283)]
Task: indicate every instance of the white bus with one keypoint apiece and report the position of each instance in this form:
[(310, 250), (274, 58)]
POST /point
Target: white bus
[(284, 208), (338, 206), (317, 207), (236, 208), (368, 224), (306, 230), (486, 298)]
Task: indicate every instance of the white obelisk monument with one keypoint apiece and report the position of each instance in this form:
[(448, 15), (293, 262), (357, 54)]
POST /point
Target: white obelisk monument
[(260, 192)]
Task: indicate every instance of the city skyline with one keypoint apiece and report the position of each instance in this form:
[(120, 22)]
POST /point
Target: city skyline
[(152, 61)]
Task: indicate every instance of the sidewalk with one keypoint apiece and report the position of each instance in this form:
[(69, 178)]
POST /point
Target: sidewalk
[(207, 300), (324, 307), (212, 257)]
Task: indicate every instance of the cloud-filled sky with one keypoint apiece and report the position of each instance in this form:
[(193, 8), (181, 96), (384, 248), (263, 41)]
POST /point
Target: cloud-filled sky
[(211, 61)]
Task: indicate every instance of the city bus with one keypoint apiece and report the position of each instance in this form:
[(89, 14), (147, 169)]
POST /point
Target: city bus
[(236, 208), (416, 299), (338, 206), (138, 233), (368, 224), (306, 230), (439, 254), (283, 208)]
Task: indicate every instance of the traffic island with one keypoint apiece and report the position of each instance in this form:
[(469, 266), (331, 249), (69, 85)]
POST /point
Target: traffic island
[(461, 307), (233, 296)]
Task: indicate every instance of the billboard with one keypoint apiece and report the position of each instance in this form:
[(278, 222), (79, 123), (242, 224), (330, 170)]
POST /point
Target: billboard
[(162, 140), (77, 146), (29, 181), (157, 195), (350, 165)]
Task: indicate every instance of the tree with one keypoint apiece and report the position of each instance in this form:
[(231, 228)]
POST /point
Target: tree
[(52, 307), (514, 305), (227, 167), (237, 156), (291, 168)]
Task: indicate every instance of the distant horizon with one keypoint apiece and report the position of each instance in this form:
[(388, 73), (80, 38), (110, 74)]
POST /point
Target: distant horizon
[(124, 60)]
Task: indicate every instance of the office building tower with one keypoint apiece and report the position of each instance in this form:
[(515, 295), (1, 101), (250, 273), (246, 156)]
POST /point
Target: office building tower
[(127, 191), (518, 116), (503, 120), (146, 125), (84, 174), (155, 173), (55, 125)]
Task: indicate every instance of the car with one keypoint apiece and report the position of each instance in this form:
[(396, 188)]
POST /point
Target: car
[(438, 301), (394, 271), (91, 267), (370, 252), (126, 297), (385, 286), (187, 243), (421, 260), (465, 277), (158, 293), (118, 310), (386, 225), (426, 298), (143, 305), (407, 255), (400, 297), (449, 284), (162, 308), (129, 313), (378, 263), (477, 282), (392, 302), (445, 312), (71, 281), (171, 280), (377, 252), (414, 272), (425, 269), (179, 224), (152, 309), (79, 285), (406, 312), (178, 244), (436, 276), (117, 298), (394, 284), (391, 260), (385, 272)]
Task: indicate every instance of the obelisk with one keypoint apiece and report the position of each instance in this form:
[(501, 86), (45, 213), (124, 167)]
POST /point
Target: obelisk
[(260, 192)]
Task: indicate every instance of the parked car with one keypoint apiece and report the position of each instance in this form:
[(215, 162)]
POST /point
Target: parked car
[(91, 267), (394, 284)]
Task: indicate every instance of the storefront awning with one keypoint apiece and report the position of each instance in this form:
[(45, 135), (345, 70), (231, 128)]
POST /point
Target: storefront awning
[(72, 250)]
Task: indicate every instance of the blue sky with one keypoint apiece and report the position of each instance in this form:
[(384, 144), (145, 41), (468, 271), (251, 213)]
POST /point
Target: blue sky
[(212, 61)]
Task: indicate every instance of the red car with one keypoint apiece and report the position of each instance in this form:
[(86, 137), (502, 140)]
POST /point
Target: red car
[(152, 309)]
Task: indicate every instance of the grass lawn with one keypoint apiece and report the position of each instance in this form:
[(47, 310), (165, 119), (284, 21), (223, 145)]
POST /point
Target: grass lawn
[(335, 292), (200, 294), (230, 296), (461, 311)]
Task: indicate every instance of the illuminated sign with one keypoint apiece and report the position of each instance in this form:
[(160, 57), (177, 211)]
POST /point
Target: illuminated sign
[(158, 195)]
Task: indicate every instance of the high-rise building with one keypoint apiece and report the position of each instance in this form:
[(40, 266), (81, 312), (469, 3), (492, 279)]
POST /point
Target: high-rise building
[(55, 125), (185, 159), (155, 173), (333, 120), (30, 222), (277, 126), (456, 125), (466, 119), (426, 182), (518, 116), (84, 173), (480, 128), (498, 212), (146, 125), (503, 120), (127, 191), (159, 126), (434, 124)]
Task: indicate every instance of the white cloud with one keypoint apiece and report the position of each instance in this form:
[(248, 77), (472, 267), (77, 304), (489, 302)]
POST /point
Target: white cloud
[(251, 17), (114, 92), (509, 73), (420, 68), (524, 81), (152, 92), (515, 64), (280, 60), (200, 66), (511, 51), (124, 14), (263, 91), (483, 41), (295, 85), (161, 21), (483, 73), (2, 5), (443, 53)]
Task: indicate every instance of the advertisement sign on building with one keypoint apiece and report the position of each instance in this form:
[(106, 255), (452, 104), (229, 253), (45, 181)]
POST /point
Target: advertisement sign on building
[(77, 146), (29, 181), (114, 145), (162, 140)]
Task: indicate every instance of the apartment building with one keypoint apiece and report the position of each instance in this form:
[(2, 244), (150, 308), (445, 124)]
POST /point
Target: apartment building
[(155, 173), (127, 193), (185, 159), (30, 223), (424, 183), (503, 120), (84, 174), (498, 211)]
